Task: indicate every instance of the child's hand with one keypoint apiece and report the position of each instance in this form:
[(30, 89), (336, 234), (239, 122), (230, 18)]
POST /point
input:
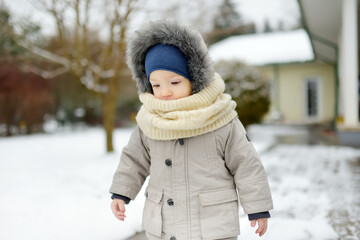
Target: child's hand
[(262, 223), (118, 208)]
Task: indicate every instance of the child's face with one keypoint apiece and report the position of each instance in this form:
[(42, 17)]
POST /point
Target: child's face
[(168, 85)]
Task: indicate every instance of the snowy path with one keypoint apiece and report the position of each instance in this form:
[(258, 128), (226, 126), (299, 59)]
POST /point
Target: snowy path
[(316, 192), (56, 187)]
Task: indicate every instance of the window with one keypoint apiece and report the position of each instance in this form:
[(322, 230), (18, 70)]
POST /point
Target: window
[(312, 97)]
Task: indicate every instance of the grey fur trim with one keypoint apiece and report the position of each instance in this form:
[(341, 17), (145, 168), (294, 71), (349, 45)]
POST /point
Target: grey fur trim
[(186, 38)]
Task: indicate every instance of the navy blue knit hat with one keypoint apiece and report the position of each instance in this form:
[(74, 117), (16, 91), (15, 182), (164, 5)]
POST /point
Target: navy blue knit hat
[(166, 57)]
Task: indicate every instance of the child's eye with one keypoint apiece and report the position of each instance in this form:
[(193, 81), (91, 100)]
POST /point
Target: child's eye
[(155, 85), (175, 82)]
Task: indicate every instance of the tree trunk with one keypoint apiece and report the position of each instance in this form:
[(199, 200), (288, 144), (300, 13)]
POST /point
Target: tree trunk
[(109, 112), (8, 130), (8, 122)]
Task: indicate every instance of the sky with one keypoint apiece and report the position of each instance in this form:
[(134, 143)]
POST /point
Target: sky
[(256, 11), (274, 11)]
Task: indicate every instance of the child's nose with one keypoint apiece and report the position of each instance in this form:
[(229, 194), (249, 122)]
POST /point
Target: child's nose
[(166, 92)]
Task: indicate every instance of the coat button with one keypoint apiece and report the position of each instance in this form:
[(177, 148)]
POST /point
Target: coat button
[(168, 162), (146, 194), (172, 238), (181, 141), (170, 202)]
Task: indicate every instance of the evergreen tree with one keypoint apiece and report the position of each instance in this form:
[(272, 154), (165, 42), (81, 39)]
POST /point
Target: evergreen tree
[(8, 47), (298, 24), (226, 23), (281, 26), (267, 27), (227, 17)]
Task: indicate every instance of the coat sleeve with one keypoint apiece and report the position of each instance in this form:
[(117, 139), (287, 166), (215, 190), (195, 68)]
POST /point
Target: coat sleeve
[(133, 167), (244, 164)]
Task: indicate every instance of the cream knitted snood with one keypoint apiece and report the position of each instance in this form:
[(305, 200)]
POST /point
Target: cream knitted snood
[(194, 115)]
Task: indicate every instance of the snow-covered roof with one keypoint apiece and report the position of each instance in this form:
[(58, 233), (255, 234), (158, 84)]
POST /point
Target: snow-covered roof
[(265, 48)]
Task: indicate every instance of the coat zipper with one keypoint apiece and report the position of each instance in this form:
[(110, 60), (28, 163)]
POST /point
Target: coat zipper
[(187, 189)]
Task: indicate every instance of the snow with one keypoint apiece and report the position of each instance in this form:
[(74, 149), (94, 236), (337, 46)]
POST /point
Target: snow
[(55, 186), (306, 182), (265, 48)]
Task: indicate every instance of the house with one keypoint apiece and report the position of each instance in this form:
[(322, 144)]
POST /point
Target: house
[(302, 89), (332, 26), (313, 71)]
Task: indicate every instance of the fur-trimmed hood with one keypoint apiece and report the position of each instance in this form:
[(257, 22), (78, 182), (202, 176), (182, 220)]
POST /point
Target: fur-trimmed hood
[(186, 38)]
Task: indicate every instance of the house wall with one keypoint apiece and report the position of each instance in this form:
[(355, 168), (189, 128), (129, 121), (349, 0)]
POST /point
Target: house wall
[(288, 96)]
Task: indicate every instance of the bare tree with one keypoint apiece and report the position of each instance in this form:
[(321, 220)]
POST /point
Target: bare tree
[(101, 68), (100, 65)]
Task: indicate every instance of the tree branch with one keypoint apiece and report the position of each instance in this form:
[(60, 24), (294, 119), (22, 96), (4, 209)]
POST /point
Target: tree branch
[(44, 54), (44, 73)]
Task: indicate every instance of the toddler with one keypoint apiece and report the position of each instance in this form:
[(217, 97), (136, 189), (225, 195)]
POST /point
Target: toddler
[(190, 141)]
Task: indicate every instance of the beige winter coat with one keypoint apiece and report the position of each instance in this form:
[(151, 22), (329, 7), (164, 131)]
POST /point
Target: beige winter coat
[(195, 183)]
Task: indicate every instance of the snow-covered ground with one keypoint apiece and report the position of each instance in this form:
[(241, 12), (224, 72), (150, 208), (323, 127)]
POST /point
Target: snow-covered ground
[(55, 186)]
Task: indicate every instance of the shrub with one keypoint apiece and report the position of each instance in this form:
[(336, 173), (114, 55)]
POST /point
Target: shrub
[(248, 88)]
